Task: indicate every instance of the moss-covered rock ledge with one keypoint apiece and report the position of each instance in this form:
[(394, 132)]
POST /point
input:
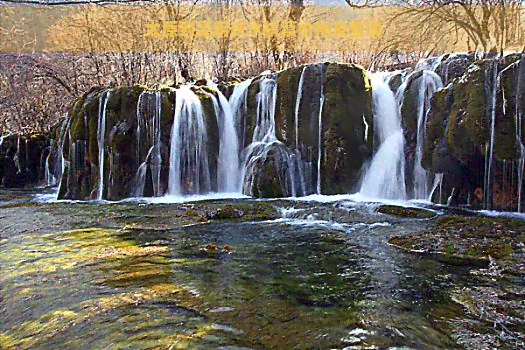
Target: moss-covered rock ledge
[(466, 239), (405, 212)]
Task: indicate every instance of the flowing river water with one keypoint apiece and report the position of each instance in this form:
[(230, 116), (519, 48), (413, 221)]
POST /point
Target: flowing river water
[(280, 275)]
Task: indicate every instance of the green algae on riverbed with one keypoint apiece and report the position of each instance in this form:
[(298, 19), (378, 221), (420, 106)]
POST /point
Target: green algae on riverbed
[(472, 239), (57, 268), (51, 267), (139, 216), (494, 301)]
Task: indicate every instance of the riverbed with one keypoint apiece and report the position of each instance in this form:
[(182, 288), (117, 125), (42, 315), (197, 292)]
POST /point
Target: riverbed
[(243, 274)]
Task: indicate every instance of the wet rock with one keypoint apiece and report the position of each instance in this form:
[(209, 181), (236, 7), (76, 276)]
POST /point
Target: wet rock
[(22, 159), (226, 87), (406, 212), (397, 78), (347, 127), (462, 239), (458, 134), (453, 66), (264, 180), (210, 247), (228, 212), (201, 82), (347, 124)]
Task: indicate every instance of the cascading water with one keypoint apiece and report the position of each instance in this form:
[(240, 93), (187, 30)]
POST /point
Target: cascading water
[(149, 110), (228, 163), (290, 167), (238, 106), (519, 123), (264, 133), (428, 63), (385, 178), (307, 117), (320, 141), (101, 136), (54, 177), (429, 83), (297, 105), (489, 146), (189, 171)]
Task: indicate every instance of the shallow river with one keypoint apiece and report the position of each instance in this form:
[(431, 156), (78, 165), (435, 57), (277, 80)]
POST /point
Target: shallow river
[(303, 281)]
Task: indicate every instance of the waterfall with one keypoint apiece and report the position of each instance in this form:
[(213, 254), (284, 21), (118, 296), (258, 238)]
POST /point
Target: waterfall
[(154, 134), (308, 117), (519, 123), (438, 182), (297, 105), (264, 133), (228, 162), (489, 146), (101, 136), (266, 100), (189, 171), (55, 176), (290, 165), (319, 142), (385, 177), (238, 106), (148, 127), (48, 176), (429, 83)]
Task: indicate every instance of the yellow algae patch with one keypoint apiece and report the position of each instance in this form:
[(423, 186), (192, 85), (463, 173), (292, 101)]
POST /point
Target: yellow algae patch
[(159, 338), (6, 342), (45, 260), (189, 262), (24, 291), (129, 250), (134, 275), (44, 254), (31, 334)]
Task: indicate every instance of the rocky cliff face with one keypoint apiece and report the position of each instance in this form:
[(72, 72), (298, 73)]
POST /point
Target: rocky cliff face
[(340, 94), (154, 140), (117, 143), (474, 135), (22, 159), (303, 130)]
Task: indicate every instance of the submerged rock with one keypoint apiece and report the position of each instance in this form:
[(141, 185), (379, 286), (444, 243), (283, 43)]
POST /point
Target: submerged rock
[(228, 212), (406, 212), (467, 240)]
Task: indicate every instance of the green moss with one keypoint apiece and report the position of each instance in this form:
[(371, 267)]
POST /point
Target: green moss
[(406, 212), (409, 105), (461, 239), (266, 182), (250, 119), (347, 124), (19, 204), (437, 120), (287, 87), (366, 78), (467, 129), (77, 114), (227, 87)]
